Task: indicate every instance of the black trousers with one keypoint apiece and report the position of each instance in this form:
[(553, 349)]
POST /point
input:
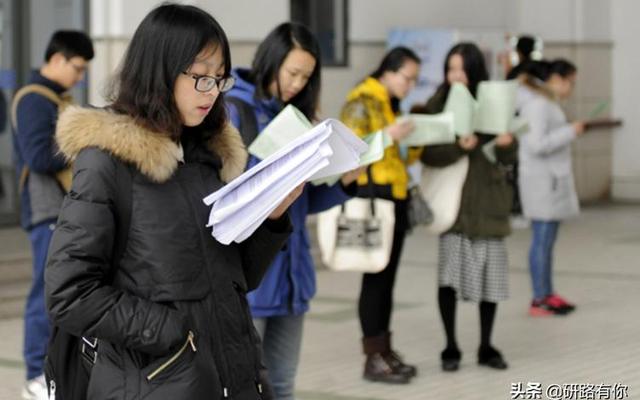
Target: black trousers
[(376, 294)]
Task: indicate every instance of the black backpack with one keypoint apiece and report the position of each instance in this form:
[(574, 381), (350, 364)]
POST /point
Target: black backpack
[(248, 124), (69, 359)]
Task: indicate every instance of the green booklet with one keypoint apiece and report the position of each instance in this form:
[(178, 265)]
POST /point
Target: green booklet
[(463, 106), (600, 108), (377, 144), (519, 126), (496, 106), (431, 129), (289, 124)]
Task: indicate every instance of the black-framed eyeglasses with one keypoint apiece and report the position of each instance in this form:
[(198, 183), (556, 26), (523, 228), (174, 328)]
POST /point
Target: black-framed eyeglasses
[(409, 79), (80, 69), (205, 83)]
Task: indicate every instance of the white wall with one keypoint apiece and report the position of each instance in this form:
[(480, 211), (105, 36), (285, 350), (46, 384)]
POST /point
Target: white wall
[(241, 19), (247, 20), (564, 20), (370, 20), (46, 17), (626, 89)]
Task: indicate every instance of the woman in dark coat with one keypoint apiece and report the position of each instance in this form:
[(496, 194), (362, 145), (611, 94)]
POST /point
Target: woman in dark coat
[(472, 255), (170, 314)]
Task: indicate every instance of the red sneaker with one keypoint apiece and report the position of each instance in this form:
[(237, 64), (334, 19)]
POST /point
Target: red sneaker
[(559, 302), (540, 309)]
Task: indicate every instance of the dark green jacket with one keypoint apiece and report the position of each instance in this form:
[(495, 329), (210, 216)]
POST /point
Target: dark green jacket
[(486, 195)]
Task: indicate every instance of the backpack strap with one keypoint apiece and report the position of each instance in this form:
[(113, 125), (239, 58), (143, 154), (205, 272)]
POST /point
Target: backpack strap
[(63, 177), (248, 123), (58, 100)]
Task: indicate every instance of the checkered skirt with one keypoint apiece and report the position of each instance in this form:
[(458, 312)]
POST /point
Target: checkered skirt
[(475, 268)]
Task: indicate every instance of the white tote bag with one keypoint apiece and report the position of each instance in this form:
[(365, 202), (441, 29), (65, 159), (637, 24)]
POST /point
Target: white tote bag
[(442, 189), (358, 235)]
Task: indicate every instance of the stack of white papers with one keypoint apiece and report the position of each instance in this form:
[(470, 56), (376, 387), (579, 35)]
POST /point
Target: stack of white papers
[(377, 142), (241, 206), (291, 123)]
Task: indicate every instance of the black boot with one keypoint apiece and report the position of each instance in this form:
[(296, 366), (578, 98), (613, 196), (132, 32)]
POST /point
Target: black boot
[(490, 357), (450, 358), (377, 367), (396, 360)]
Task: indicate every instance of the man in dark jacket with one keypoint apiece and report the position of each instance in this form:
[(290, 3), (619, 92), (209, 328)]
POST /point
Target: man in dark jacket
[(34, 114)]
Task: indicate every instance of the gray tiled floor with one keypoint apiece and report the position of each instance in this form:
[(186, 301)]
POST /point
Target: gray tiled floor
[(598, 267)]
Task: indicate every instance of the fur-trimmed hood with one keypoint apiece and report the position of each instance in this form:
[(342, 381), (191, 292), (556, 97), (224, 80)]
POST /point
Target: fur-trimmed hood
[(154, 155)]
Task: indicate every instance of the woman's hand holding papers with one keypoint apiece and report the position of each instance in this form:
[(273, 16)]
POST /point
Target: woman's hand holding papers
[(468, 142), (579, 127), (400, 129), (504, 140), (351, 176), (291, 197)]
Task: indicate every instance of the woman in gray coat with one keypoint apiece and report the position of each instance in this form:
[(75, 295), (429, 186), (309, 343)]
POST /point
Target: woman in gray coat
[(547, 187)]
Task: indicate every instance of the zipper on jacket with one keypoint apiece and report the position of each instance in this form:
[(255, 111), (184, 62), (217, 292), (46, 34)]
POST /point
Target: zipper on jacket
[(216, 336), (189, 343), (52, 390), (224, 364), (249, 329)]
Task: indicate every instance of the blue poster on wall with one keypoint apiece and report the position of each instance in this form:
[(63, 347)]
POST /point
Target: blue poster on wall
[(432, 46)]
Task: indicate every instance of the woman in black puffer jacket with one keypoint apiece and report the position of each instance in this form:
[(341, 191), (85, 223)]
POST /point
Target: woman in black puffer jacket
[(170, 314)]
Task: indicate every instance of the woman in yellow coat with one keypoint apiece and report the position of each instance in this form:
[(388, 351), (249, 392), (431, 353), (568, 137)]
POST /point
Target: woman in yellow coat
[(373, 106)]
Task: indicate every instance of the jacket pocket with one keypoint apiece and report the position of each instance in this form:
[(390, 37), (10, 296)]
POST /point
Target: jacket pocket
[(156, 370), (564, 200), (189, 372), (499, 199)]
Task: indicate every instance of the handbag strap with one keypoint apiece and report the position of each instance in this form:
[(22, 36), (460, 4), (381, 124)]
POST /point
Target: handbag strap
[(371, 196)]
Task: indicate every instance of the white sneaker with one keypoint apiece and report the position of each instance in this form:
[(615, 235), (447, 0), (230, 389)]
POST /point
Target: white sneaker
[(35, 389)]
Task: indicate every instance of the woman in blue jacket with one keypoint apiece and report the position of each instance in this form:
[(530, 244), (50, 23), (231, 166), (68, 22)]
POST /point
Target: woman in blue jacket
[(285, 70)]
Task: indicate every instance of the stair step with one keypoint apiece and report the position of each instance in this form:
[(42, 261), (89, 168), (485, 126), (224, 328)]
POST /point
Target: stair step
[(12, 299), (15, 269)]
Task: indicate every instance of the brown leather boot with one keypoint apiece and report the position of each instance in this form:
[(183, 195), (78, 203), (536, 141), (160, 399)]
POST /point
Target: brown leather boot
[(396, 360), (377, 367)]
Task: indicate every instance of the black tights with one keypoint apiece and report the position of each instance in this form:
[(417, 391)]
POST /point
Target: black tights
[(376, 295), (447, 303)]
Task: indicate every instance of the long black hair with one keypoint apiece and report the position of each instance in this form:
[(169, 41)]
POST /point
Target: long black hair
[(392, 62), (270, 56), (165, 44), (536, 73), (473, 64), (562, 67), (539, 69)]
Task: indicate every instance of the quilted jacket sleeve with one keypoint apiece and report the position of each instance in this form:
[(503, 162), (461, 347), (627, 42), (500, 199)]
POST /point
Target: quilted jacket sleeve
[(259, 250), (78, 295)]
